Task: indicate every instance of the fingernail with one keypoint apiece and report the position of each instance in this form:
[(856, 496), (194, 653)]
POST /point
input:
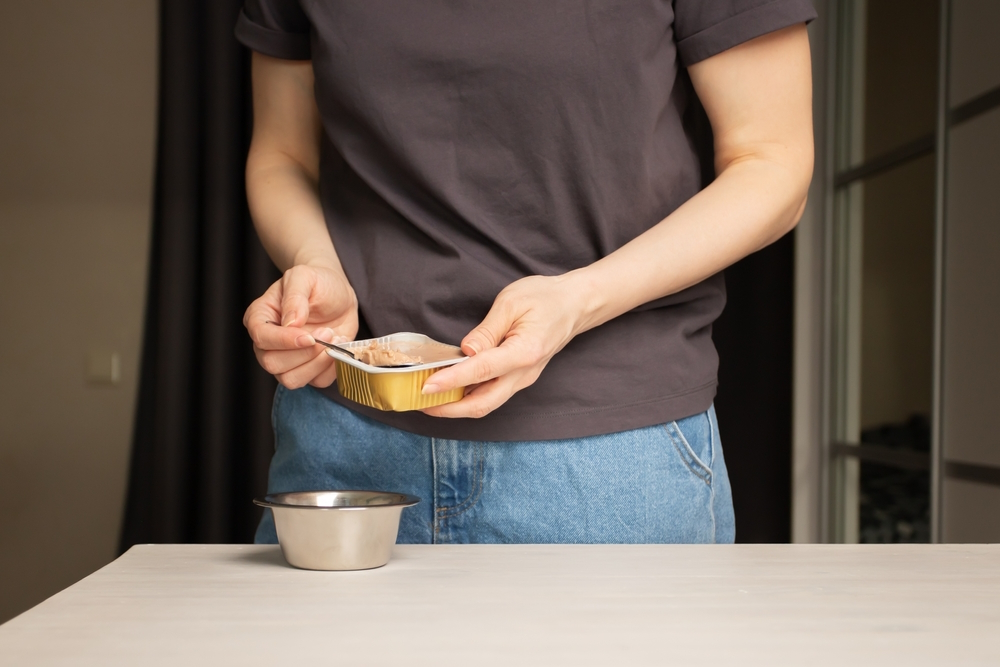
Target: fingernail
[(305, 341), (475, 348), (337, 340), (324, 334), (430, 389)]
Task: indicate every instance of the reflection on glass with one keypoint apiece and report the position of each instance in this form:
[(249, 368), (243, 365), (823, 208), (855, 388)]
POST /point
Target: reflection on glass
[(900, 74), (882, 361), (882, 290), (897, 294), (894, 503), (887, 77), (897, 329)]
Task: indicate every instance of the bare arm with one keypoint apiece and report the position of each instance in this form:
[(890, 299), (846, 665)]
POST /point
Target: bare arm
[(283, 164), (758, 99), (314, 297)]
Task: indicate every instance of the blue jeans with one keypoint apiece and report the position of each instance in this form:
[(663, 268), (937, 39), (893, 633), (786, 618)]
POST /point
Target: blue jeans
[(659, 484)]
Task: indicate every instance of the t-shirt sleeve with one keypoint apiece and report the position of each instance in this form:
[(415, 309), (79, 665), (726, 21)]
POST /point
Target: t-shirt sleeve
[(277, 28), (704, 28)]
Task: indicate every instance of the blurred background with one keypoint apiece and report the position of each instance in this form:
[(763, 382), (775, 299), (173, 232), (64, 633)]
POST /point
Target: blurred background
[(78, 95), (860, 365)]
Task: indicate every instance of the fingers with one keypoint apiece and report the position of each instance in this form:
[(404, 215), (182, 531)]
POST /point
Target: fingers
[(308, 372), (488, 358), (277, 362), (479, 402), (296, 289), (261, 319), (481, 368), (476, 404), (281, 325), (326, 378), (266, 308), (267, 335), (283, 318), (491, 331), (280, 361), (512, 373)]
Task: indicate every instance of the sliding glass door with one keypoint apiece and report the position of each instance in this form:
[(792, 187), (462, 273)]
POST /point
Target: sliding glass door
[(882, 296), (912, 371)]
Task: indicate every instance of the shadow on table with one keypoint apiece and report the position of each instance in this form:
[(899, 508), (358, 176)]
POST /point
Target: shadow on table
[(268, 556)]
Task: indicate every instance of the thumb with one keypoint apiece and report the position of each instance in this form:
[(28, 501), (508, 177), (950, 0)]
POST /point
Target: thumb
[(297, 285), (490, 332)]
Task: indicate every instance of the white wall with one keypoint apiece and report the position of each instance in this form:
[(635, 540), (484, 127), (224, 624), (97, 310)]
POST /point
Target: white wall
[(77, 128)]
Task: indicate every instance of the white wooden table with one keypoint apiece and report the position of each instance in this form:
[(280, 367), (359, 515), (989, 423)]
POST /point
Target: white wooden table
[(527, 605)]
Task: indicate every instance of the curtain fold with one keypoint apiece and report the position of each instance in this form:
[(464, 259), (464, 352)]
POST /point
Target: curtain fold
[(754, 337), (202, 437)]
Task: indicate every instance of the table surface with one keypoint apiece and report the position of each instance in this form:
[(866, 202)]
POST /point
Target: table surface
[(527, 605)]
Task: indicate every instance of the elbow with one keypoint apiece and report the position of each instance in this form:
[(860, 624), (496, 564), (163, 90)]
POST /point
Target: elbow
[(802, 173), (793, 221)]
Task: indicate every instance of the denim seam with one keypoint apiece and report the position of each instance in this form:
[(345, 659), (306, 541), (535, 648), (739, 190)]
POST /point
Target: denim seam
[(687, 454), (478, 472), (434, 488), (711, 487), (472, 493), (473, 497), (279, 394)]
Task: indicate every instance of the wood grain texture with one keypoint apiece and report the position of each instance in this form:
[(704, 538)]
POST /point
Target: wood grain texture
[(533, 605)]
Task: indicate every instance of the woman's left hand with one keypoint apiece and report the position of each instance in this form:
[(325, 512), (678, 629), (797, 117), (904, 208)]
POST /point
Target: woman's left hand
[(530, 321), (758, 97)]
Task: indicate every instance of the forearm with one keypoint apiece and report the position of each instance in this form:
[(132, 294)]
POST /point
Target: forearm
[(752, 203), (312, 301), (282, 172), (759, 101), (286, 212)]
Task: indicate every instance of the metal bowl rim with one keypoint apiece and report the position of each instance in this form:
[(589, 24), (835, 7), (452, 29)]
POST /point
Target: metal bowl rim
[(406, 501)]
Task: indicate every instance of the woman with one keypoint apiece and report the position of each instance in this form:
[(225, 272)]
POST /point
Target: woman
[(520, 178)]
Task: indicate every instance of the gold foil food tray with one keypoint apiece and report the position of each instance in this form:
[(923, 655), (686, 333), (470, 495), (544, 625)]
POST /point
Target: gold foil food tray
[(397, 392)]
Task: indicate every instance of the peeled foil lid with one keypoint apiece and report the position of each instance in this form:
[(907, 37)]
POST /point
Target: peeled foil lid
[(432, 353)]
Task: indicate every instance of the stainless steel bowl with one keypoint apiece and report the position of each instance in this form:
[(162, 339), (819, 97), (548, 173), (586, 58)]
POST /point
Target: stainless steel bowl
[(337, 530)]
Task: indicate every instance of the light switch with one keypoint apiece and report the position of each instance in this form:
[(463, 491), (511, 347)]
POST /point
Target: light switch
[(103, 367)]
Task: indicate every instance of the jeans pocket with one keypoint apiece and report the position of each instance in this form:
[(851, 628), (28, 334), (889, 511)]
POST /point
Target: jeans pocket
[(692, 438)]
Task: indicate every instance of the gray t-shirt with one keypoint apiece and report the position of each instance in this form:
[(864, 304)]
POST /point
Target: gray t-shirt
[(469, 143)]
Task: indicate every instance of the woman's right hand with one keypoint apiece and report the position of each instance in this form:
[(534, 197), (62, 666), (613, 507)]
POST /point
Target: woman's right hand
[(314, 299), (307, 303)]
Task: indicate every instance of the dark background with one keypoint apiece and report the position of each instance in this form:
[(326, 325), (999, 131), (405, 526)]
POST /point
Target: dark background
[(754, 403)]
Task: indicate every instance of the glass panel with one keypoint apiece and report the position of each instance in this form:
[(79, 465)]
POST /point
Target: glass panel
[(900, 73), (894, 504), (850, 80), (887, 83), (845, 408), (882, 370), (897, 295)]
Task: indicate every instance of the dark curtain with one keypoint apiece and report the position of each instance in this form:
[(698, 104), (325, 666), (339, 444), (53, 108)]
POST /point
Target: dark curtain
[(202, 437), (754, 403)]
